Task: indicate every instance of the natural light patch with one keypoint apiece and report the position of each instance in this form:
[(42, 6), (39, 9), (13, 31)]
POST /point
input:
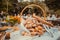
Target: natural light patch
[(30, 0)]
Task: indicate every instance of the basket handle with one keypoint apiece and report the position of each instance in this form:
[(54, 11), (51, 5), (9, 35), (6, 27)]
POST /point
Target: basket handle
[(44, 13)]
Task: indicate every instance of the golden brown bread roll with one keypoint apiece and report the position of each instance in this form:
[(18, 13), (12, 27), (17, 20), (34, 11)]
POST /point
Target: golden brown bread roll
[(3, 28), (36, 29), (42, 20), (39, 27), (31, 29), (41, 32), (7, 35), (24, 33), (33, 33)]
